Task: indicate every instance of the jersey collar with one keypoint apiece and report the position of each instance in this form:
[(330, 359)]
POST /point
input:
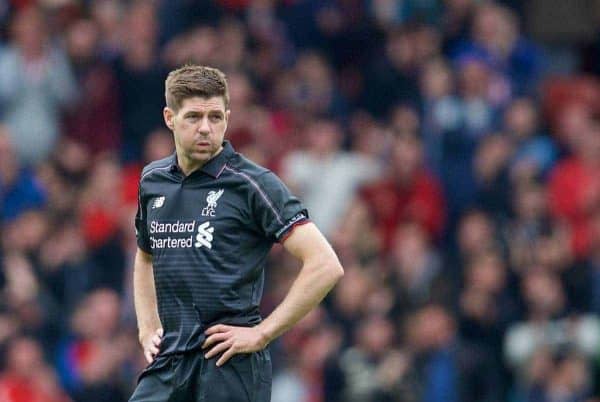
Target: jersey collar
[(214, 167)]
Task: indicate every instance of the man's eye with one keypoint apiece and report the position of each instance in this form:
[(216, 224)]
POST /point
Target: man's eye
[(216, 117)]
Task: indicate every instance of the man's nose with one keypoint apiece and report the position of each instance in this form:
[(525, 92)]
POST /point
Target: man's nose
[(204, 126)]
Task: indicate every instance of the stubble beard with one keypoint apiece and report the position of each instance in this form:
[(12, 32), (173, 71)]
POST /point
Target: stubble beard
[(202, 157)]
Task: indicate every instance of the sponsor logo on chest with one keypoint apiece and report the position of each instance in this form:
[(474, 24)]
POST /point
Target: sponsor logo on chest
[(181, 234), (184, 233)]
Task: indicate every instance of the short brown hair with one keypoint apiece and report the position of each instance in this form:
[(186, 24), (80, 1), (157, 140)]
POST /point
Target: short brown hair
[(192, 80)]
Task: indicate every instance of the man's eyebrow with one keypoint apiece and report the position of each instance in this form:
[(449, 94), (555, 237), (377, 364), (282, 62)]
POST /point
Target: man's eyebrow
[(196, 112)]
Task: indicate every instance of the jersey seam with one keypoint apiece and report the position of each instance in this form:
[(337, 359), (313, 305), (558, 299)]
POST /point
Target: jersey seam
[(144, 175), (257, 186)]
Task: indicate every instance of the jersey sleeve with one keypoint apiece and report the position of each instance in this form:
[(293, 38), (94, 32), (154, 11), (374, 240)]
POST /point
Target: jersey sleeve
[(141, 228), (276, 210)]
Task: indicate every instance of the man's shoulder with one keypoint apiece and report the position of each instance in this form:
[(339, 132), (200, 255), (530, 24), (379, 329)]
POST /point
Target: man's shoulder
[(258, 177), (156, 166), (239, 164)]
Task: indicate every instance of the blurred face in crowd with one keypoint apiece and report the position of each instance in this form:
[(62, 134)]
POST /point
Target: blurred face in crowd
[(405, 119), (98, 316), (432, 328), (351, 292), (495, 27), (104, 308), (241, 91), (487, 273), (474, 77), (324, 137), (24, 357), (588, 144), (427, 43), (26, 232), (158, 145), (436, 80), (29, 31), (141, 23), (543, 293), (407, 157), (82, 39), (572, 120), (232, 47), (400, 50), (375, 335), (530, 203), (521, 118), (198, 128), (411, 253), (475, 233), (313, 69)]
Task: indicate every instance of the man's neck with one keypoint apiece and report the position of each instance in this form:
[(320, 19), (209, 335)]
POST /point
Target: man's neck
[(188, 166)]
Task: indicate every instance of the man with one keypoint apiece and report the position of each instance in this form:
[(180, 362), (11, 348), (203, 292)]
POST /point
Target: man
[(206, 219)]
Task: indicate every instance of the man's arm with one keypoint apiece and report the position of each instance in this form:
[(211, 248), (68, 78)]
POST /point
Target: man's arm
[(146, 310), (320, 271)]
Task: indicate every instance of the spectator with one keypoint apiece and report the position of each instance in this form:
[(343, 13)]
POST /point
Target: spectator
[(140, 78), (19, 189), (416, 270), (574, 191), (441, 112), (35, 80), (88, 361), (451, 370), (491, 172), (405, 193), (392, 78), (95, 121), (534, 153), (370, 371), (324, 176), (27, 377), (545, 300), (495, 35), (310, 89)]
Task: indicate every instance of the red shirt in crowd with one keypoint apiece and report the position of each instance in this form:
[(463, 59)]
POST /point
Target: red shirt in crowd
[(394, 203), (14, 388), (574, 190)]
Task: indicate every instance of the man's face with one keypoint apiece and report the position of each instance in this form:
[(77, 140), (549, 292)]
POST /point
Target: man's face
[(198, 127)]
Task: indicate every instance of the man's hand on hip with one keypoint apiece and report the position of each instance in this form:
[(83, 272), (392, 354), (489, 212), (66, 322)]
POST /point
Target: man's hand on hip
[(151, 343), (231, 340)]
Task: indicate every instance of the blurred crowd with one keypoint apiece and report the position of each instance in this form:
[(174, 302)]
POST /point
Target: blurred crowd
[(458, 180)]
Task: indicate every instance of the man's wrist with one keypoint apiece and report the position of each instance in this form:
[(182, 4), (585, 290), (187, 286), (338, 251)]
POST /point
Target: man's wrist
[(265, 335), (143, 333)]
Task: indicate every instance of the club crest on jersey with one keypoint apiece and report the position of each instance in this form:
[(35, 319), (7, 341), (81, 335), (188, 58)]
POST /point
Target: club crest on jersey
[(211, 202), (158, 202)]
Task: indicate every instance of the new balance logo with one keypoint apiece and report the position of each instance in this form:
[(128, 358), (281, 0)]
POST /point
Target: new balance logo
[(205, 235), (158, 202)]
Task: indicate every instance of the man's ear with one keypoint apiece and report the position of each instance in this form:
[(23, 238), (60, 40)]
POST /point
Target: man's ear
[(227, 113), (168, 115)]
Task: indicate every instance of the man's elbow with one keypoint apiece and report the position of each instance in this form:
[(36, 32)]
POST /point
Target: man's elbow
[(334, 269)]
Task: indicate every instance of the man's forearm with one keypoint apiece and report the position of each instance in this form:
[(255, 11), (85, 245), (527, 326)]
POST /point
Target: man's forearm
[(145, 296), (310, 287)]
